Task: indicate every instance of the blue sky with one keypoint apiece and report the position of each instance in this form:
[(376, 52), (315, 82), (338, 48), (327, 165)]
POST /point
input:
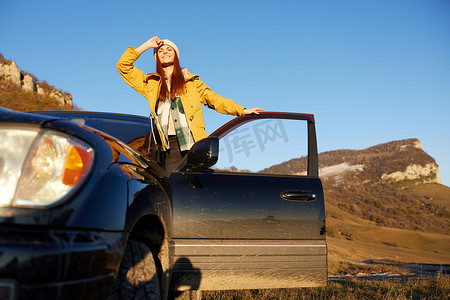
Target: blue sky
[(370, 71)]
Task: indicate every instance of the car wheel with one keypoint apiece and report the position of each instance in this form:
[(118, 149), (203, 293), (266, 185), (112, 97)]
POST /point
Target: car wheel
[(137, 277)]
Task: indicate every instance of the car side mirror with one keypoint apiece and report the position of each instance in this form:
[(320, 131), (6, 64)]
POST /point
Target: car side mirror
[(204, 154)]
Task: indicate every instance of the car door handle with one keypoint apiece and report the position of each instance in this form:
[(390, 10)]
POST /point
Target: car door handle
[(298, 196)]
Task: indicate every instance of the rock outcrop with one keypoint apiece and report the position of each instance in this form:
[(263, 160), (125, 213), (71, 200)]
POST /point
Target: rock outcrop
[(9, 71), (28, 83), (428, 173), (62, 98)]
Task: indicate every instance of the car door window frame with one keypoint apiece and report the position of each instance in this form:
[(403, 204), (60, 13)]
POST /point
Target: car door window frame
[(313, 163)]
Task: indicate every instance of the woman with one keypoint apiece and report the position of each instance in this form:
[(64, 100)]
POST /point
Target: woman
[(175, 96)]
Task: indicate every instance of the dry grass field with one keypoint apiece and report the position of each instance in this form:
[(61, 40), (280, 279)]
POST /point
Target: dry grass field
[(359, 240), (437, 289)]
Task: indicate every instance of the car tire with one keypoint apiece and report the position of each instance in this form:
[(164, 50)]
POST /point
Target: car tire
[(137, 277)]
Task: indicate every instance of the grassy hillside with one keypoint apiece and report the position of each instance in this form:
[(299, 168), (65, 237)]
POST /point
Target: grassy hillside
[(411, 204), (436, 193), (399, 229), (388, 206), (13, 97), (352, 239)]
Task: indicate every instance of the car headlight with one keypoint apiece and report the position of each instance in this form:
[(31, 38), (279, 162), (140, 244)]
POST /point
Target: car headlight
[(38, 168)]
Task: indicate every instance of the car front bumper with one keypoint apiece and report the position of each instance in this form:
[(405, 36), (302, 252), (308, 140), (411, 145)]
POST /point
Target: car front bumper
[(39, 263)]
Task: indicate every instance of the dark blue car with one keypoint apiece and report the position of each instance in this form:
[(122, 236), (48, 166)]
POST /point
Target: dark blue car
[(87, 212)]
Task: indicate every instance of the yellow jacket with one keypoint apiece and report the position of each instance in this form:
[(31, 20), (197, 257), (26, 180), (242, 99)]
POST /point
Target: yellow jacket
[(196, 92)]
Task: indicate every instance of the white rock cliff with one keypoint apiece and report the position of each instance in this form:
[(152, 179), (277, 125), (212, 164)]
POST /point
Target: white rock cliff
[(427, 174)]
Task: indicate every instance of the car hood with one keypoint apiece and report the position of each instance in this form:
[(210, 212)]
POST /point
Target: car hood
[(11, 116)]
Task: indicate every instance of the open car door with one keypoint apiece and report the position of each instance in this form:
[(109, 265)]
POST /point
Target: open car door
[(248, 207)]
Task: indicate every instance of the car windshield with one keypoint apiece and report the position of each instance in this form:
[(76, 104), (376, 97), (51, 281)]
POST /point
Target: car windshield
[(126, 128)]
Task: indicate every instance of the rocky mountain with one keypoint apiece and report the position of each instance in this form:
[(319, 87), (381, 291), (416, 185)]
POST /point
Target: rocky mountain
[(14, 81), (397, 161), (392, 184), (402, 161)]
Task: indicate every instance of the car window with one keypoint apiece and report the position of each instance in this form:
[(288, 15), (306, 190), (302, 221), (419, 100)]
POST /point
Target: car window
[(269, 146)]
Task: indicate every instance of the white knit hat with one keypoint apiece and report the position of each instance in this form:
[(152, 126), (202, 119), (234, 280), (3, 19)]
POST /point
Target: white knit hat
[(168, 43)]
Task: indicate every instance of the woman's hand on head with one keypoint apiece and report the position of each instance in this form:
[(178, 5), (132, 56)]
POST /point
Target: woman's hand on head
[(249, 111), (154, 42)]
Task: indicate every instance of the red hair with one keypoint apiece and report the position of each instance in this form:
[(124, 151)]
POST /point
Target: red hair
[(177, 81)]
